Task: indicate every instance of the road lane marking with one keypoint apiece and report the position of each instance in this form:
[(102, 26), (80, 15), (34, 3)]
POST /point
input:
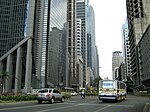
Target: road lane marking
[(112, 106), (102, 108), (75, 104), (58, 108), (106, 105), (82, 104), (25, 107), (92, 103), (123, 105)]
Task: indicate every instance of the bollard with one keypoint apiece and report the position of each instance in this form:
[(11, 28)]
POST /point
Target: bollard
[(146, 108), (149, 108)]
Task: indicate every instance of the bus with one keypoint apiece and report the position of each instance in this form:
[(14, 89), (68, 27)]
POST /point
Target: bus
[(112, 90)]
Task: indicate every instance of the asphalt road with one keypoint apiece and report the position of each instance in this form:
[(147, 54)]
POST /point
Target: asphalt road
[(76, 104)]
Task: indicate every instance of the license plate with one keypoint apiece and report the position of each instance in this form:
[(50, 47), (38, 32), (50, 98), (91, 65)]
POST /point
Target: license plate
[(41, 94)]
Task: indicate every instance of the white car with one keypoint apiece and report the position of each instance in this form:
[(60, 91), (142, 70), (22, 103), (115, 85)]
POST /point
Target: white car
[(74, 93), (50, 95)]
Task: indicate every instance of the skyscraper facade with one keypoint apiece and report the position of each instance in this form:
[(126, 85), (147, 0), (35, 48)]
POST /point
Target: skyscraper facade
[(79, 37), (92, 53), (72, 44), (117, 59), (42, 23), (46, 22), (15, 24), (126, 50), (17, 27), (39, 43), (144, 58), (57, 43), (50, 43), (138, 16), (81, 14)]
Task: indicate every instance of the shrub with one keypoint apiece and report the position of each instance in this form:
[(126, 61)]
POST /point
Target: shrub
[(144, 93), (67, 95), (18, 98), (91, 94)]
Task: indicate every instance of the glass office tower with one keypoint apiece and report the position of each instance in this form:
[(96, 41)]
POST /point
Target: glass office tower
[(50, 42), (57, 43), (46, 22), (82, 14), (13, 23)]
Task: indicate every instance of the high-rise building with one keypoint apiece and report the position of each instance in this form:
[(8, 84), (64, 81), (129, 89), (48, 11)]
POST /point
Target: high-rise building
[(79, 55), (122, 72), (72, 44), (92, 53), (138, 16), (81, 14), (117, 59), (144, 58), (57, 43), (50, 31), (39, 44), (39, 61), (126, 51), (79, 37), (16, 29), (42, 26), (15, 24)]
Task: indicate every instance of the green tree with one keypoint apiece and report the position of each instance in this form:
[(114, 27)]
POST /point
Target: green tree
[(96, 81), (4, 76), (129, 84)]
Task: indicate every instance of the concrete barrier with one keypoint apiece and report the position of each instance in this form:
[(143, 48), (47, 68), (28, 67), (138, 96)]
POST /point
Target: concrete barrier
[(146, 108)]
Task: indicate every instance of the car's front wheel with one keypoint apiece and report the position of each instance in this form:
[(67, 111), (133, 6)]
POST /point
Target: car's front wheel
[(52, 100), (62, 99), (39, 101)]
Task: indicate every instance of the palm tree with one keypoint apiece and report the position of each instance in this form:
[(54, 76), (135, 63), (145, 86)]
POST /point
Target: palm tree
[(4, 75)]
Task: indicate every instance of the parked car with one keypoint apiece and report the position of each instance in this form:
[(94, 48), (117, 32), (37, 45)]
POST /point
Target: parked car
[(50, 95), (74, 93)]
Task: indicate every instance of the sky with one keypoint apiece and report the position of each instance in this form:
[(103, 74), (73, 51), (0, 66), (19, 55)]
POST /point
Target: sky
[(109, 17)]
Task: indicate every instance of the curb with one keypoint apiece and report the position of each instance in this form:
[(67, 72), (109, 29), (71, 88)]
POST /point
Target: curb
[(146, 107)]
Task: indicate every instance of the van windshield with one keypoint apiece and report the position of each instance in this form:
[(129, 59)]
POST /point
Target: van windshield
[(108, 85)]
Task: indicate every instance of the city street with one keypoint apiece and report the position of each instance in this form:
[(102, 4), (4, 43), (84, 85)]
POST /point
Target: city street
[(76, 104)]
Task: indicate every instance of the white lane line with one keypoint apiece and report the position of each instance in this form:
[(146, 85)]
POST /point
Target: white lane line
[(26, 107), (21, 107), (57, 108), (123, 105), (101, 104), (112, 106), (102, 108), (80, 104)]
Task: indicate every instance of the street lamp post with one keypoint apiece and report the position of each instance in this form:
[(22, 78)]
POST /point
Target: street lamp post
[(2, 88), (99, 71)]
